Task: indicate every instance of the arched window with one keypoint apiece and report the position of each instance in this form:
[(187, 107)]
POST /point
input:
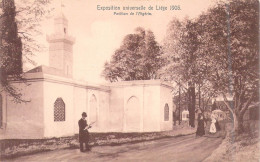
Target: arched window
[(166, 112), (59, 110), (1, 111)]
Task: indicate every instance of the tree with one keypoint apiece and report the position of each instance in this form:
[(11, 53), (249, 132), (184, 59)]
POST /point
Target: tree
[(219, 51), (183, 66), (138, 58), (10, 49), (229, 44), (17, 41)]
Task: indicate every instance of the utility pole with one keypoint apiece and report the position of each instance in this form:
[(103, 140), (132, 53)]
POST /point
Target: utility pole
[(179, 104), (199, 97)]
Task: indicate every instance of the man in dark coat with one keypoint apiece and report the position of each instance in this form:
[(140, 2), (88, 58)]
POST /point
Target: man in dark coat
[(83, 132)]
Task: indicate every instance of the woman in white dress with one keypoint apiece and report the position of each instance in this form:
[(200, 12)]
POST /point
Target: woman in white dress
[(212, 128)]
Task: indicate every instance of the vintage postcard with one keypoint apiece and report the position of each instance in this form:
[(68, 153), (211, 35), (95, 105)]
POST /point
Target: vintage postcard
[(129, 80)]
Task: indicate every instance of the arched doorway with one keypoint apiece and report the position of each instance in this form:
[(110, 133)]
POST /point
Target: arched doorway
[(132, 115), (93, 114)]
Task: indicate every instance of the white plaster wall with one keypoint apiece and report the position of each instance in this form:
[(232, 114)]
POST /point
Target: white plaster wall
[(56, 54), (111, 109), (68, 60), (116, 109), (138, 92), (95, 126), (151, 97), (151, 108), (52, 91), (104, 117), (166, 97), (80, 105), (102, 104), (24, 120)]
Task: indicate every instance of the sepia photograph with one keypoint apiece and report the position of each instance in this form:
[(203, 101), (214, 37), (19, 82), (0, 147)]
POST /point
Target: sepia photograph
[(129, 80)]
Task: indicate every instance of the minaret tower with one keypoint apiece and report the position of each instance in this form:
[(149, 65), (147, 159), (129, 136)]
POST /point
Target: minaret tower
[(61, 46)]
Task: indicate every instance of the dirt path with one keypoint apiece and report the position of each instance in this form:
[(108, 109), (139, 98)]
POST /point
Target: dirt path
[(179, 149)]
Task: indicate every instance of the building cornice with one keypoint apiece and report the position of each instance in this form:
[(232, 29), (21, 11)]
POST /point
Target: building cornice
[(40, 77), (141, 83)]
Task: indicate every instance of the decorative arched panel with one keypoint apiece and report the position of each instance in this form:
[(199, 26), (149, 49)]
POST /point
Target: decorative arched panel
[(93, 109), (59, 110), (132, 115)]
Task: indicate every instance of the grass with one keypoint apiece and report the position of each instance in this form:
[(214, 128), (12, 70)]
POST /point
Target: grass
[(238, 147), (11, 148)]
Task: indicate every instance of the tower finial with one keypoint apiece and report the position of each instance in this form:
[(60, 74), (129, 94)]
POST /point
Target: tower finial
[(61, 5)]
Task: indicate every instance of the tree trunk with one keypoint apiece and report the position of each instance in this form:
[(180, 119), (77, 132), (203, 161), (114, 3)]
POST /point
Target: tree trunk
[(237, 114), (174, 118), (238, 123), (191, 106)]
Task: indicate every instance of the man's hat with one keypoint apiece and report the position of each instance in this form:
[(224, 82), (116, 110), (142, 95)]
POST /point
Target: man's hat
[(84, 114)]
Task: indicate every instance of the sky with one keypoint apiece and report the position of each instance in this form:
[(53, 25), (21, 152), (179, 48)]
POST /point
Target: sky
[(99, 33)]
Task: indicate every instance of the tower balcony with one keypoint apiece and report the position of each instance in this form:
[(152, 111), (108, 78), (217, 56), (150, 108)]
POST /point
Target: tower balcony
[(60, 37)]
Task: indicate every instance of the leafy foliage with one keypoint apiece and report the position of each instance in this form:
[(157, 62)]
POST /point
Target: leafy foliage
[(18, 28), (230, 44), (219, 51), (138, 58), (29, 16), (11, 47)]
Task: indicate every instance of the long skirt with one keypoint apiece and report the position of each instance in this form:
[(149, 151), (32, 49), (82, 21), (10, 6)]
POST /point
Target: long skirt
[(200, 130), (212, 128)]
